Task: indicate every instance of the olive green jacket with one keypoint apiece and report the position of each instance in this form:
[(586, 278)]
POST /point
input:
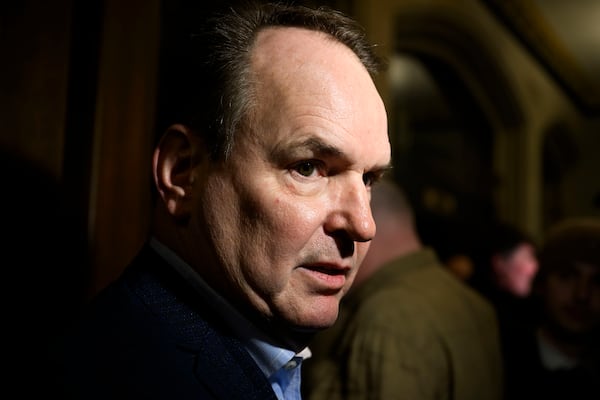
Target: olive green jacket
[(412, 331)]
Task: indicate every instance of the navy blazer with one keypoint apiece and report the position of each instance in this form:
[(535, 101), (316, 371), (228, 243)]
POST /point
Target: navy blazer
[(147, 336)]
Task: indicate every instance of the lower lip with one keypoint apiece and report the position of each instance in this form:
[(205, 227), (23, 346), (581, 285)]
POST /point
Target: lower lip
[(327, 282)]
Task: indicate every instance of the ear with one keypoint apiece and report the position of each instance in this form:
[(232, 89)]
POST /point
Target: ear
[(173, 164)]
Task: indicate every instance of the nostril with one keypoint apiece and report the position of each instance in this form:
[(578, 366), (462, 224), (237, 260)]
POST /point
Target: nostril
[(345, 243)]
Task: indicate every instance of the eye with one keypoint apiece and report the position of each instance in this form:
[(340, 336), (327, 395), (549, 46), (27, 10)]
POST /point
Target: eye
[(305, 168), (370, 178)]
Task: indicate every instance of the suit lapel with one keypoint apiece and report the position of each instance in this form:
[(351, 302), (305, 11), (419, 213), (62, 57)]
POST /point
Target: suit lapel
[(221, 364)]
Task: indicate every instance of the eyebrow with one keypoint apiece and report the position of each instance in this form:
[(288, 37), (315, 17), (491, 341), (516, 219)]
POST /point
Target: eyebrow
[(314, 145), (323, 149), (319, 147)]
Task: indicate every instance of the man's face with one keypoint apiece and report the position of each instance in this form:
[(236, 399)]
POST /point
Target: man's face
[(515, 271), (289, 212), (572, 298)]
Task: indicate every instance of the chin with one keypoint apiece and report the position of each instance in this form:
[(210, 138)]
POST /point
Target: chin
[(311, 317), (324, 320), (312, 320)]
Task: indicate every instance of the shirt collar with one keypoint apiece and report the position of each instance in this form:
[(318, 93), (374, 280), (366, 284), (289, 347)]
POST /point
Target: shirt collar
[(269, 358), (551, 357)]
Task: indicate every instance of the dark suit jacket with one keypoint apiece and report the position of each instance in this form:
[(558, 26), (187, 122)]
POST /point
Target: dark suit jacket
[(147, 336)]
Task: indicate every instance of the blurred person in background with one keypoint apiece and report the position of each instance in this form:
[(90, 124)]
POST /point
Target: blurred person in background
[(559, 358), (505, 267), (506, 264), (408, 329)]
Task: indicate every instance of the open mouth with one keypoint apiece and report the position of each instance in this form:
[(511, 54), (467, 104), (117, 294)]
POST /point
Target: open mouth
[(327, 270), (327, 278)]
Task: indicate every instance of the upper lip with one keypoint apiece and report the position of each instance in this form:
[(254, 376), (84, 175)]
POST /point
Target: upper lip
[(330, 268)]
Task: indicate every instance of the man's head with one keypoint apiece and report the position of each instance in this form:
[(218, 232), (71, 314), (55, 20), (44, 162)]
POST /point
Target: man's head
[(569, 278), (270, 201), (396, 231), (513, 260)]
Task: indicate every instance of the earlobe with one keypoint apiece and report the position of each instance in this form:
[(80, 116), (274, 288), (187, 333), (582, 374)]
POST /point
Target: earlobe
[(173, 169)]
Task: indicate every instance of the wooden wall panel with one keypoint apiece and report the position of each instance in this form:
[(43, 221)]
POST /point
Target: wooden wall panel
[(124, 123), (34, 47)]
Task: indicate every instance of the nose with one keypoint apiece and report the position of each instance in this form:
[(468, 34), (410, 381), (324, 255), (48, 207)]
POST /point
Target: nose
[(352, 212)]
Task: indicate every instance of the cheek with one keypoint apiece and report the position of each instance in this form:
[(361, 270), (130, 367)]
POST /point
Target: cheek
[(293, 219), (530, 268), (221, 216), (277, 232), (525, 272)]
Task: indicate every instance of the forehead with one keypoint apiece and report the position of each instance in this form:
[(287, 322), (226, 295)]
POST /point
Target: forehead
[(276, 44), (291, 55), (307, 84)]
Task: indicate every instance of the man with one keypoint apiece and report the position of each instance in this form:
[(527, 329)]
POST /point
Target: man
[(507, 262), (261, 221), (560, 357), (506, 267), (408, 329), (513, 261)]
